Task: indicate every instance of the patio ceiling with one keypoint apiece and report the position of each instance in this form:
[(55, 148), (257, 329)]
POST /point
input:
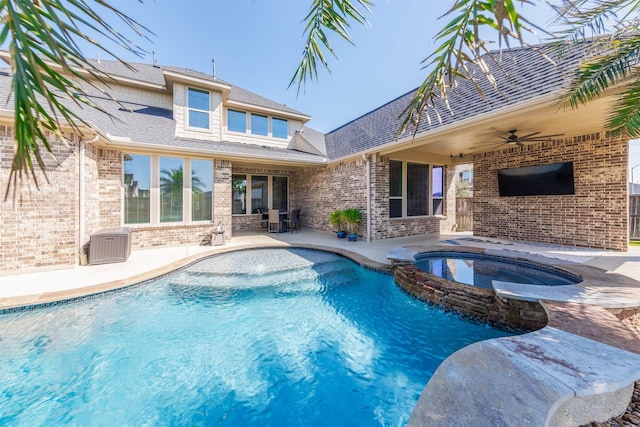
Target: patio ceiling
[(478, 134)]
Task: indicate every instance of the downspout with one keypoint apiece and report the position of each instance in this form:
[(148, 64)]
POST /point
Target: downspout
[(368, 166), (81, 194)]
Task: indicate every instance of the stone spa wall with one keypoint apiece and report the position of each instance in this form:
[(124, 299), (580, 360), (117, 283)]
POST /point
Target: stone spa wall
[(472, 302)]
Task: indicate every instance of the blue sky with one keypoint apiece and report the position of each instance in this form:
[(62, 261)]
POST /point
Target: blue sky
[(257, 45)]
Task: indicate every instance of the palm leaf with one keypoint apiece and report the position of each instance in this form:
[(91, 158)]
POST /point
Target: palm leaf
[(49, 69), (333, 15)]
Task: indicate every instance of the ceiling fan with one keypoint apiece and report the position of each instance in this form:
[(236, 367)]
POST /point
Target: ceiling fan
[(514, 139)]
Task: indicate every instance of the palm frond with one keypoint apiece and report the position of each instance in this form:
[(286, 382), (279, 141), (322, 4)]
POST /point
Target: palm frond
[(614, 64), (333, 15), (462, 52), (625, 115), (48, 69)]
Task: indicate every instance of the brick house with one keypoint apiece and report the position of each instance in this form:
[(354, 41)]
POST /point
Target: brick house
[(184, 149)]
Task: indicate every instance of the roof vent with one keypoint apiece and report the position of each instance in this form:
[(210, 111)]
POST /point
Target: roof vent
[(213, 64), (155, 59)]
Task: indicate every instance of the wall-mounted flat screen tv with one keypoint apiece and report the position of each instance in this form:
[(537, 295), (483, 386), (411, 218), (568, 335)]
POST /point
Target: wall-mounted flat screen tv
[(541, 180)]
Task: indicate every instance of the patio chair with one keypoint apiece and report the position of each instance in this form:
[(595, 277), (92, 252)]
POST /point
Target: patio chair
[(293, 221), (274, 220), (264, 219)]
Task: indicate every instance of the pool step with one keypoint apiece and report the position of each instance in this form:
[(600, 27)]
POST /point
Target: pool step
[(325, 274)]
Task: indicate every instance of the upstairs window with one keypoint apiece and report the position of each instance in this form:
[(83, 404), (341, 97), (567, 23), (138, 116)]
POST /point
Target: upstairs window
[(237, 121), (259, 125), (198, 103), (279, 128)]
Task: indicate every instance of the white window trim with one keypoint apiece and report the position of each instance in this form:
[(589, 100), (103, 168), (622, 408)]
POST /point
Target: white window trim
[(404, 190), (208, 129), (246, 122), (248, 177), (431, 196), (259, 135), (154, 194), (248, 129)]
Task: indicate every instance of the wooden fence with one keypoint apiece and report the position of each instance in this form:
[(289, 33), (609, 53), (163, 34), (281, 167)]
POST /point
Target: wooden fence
[(464, 214), (634, 217)]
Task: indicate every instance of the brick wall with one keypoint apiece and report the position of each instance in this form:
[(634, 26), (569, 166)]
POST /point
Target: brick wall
[(448, 223), (596, 216), (170, 235), (40, 228), (318, 191), (384, 227), (222, 195)]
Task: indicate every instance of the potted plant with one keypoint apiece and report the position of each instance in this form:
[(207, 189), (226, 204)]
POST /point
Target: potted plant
[(352, 217), (336, 219)]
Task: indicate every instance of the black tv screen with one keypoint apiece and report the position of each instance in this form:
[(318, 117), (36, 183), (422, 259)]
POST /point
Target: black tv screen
[(542, 180)]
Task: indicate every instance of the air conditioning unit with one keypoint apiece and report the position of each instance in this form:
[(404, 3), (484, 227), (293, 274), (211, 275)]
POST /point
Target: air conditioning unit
[(110, 245)]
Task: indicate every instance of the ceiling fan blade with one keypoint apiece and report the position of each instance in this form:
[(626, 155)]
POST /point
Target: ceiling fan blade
[(529, 136), (543, 137)]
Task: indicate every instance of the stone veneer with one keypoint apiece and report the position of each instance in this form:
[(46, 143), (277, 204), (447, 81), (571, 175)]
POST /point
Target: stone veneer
[(473, 302), (596, 216)]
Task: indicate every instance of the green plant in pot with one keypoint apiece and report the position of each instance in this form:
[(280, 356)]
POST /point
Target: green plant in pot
[(352, 217), (337, 220)]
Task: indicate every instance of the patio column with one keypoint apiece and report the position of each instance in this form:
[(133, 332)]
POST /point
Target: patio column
[(222, 195)]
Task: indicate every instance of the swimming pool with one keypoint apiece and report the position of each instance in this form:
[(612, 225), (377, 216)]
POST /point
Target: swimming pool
[(482, 269), (260, 337)]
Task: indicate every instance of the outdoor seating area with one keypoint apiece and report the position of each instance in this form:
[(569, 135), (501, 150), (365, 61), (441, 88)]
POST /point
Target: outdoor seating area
[(280, 221)]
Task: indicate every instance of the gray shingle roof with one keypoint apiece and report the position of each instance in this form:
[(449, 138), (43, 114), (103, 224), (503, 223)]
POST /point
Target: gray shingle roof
[(153, 74), (237, 93), (154, 126), (531, 76)]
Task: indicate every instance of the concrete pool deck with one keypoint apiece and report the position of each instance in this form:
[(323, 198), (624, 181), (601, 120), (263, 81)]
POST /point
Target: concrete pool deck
[(584, 358), (147, 263)]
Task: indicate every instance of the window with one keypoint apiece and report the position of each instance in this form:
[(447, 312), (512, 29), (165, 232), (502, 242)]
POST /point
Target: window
[(201, 190), (237, 121), (198, 103), (239, 190), (266, 192), (171, 184), (279, 128), (409, 191), (437, 190), (395, 189), (417, 189), (280, 193), (259, 125), (259, 193), (178, 196), (137, 189)]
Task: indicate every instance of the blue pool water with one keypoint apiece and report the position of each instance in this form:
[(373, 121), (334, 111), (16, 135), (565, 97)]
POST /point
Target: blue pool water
[(480, 270), (279, 337)]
